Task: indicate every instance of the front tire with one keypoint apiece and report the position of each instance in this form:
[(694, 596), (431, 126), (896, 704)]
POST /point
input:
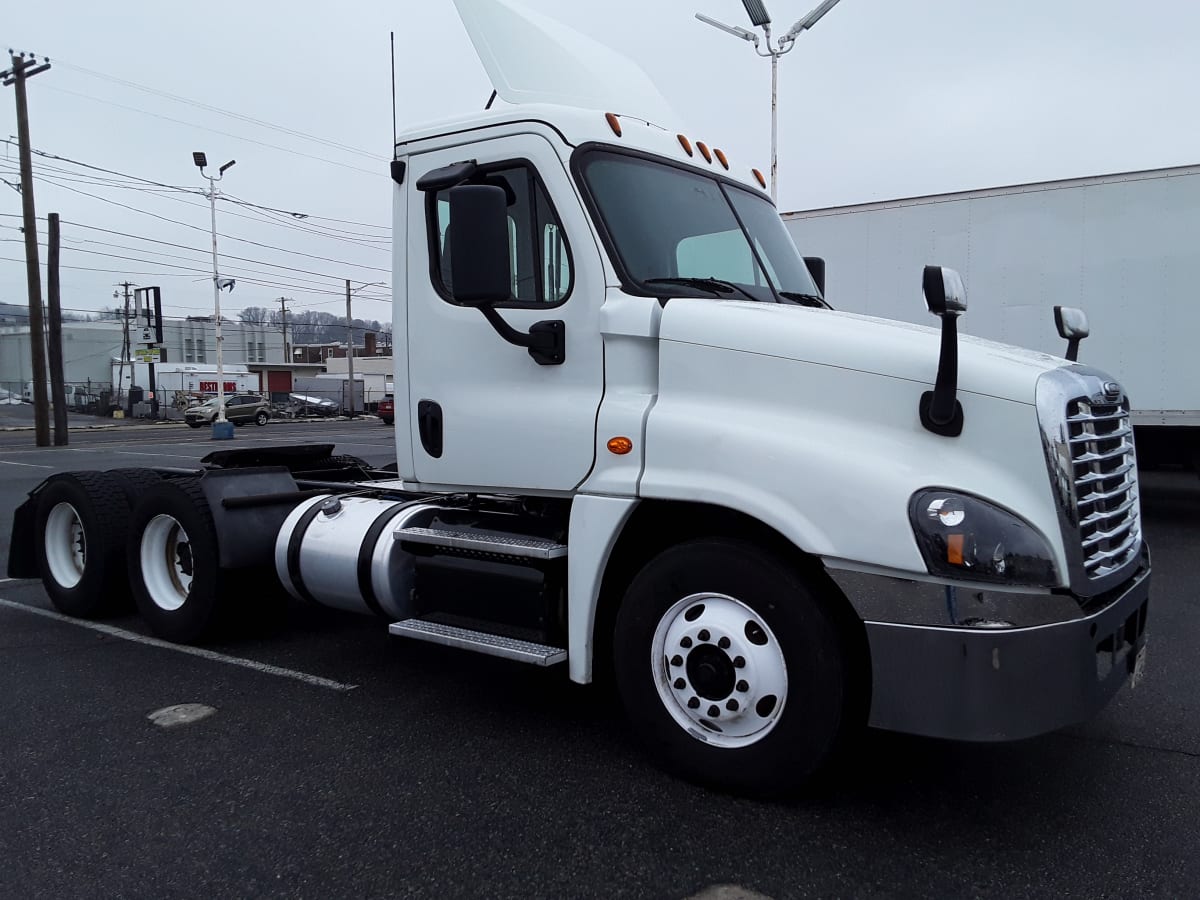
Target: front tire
[(192, 424), (732, 667)]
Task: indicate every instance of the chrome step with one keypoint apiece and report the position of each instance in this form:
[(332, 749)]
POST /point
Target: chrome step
[(479, 641), (501, 544)]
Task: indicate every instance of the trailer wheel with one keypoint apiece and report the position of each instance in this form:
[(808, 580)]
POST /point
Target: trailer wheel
[(173, 561), (732, 668), (82, 519)]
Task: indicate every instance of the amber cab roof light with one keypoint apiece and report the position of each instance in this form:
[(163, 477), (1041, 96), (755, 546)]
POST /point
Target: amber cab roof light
[(704, 151), (685, 144), (720, 154), (614, 123), (758, 176)]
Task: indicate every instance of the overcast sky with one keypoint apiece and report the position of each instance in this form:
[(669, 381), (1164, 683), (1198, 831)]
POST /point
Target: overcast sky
[(884, 98)]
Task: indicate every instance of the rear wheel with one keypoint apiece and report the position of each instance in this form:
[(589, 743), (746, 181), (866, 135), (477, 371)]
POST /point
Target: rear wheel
[(82, 519), (173, 561), (732, 667), (261, 417)]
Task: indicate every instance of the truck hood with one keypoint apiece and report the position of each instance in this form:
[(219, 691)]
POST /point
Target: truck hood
[(844, 340)]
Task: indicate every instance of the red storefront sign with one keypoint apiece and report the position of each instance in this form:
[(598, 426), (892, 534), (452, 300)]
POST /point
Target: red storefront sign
[(210, 387)]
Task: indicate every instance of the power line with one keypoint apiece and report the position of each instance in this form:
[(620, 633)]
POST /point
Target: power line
[(219, 110), (227, 237)]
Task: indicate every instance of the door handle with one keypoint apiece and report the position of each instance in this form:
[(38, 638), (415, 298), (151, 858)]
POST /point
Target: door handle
[(429, 424)]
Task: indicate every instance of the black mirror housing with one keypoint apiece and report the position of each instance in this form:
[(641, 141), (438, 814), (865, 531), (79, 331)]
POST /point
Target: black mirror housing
[(480, 274), (944, 291), (816, 269)]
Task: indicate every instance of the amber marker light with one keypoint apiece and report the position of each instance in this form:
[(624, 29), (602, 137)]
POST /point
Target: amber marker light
[(758, 176), (614, 123), (954, 549), (685, 144), (704, 151), (619, 445), (720, 155)]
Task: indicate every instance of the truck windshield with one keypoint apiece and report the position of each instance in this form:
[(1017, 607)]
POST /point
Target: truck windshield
[(678, 232)]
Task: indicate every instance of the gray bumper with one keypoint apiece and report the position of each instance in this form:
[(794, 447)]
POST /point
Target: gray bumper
[(982, 684)]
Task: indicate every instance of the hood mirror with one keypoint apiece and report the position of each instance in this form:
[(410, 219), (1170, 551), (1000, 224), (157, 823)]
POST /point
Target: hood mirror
[(1072, 325), (946, 298)]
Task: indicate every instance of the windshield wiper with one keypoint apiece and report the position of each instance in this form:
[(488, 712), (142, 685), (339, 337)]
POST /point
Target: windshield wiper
[(805, 299), (714, 285)]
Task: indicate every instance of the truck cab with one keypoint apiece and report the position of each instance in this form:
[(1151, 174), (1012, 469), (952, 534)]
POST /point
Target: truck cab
[(634, 439)]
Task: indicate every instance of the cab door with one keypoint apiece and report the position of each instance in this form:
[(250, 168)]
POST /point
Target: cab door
[(484, 414)]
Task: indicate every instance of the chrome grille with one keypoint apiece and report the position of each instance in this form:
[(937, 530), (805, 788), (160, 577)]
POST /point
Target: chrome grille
[(1100, 439)]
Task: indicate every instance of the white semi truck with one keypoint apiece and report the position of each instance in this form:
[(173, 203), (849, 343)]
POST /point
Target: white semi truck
[(633, 439), (1123, 245)]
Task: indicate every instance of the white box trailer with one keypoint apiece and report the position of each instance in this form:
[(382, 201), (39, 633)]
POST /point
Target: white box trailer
[(187, 379), (1122, 247)]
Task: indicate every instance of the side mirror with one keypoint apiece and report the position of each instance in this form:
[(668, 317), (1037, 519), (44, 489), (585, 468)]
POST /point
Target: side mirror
[(478, 243), (816, 269), (944, 291), (1072, 325), (946, 298)]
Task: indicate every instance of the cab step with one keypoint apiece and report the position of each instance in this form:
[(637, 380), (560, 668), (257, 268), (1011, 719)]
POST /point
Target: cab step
[(512, 546), (479, 641)]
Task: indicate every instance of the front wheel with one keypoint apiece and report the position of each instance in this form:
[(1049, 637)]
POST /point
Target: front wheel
[(732, 666), (192, 424)]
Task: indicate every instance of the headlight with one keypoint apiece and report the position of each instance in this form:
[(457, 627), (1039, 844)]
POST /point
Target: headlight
[(961, 536)]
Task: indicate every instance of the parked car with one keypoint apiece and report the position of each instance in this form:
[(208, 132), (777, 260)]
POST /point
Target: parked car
[(305, 405), (239, 409), (387, 409)]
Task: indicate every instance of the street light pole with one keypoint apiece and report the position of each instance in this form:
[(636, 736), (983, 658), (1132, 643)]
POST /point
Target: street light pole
[(221, 428), (350, 337), (759, 18)]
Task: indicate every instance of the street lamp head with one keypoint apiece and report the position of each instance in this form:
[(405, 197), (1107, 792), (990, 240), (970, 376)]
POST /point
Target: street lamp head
[(810, 20), (200, 160), (757, 12), (729, 29), (228, 165)]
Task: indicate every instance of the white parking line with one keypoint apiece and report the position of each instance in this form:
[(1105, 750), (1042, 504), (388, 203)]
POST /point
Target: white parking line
[(210, 655), (9, 462)]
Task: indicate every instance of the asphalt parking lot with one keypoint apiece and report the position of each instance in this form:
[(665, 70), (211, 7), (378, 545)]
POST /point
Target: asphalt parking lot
[(342, 762)]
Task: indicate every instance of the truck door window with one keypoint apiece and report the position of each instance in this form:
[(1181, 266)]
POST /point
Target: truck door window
[(539, 255)]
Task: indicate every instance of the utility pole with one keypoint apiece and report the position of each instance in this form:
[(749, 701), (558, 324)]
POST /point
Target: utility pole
[(58, 391), (22, 70), (283, 301), (350, 337), (350, 347), (124, 344)]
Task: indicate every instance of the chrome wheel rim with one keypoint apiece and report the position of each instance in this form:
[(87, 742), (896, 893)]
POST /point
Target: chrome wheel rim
[(65, 544), (167, 564), (719, 670)]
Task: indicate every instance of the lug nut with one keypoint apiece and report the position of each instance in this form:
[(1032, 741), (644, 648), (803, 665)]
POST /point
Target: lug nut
[(685, 642), (723, 643), (677, 660), (739, 662), (732, 705), (694, 703), (680, 684), (714, 711), (703, 635), (743, 686)]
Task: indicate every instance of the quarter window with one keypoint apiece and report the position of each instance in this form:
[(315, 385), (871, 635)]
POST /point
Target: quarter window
[(538, 254)]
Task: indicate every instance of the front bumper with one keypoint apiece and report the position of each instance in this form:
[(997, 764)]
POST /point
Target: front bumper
[(1000, 684)]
